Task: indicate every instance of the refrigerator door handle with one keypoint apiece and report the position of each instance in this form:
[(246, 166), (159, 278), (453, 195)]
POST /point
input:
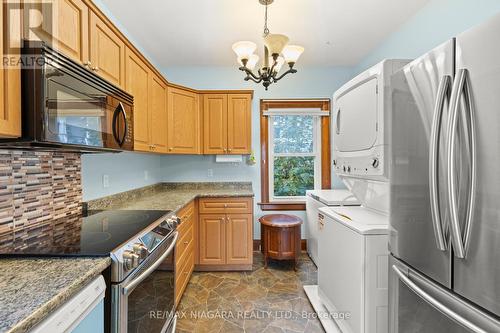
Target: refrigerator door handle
[(460, 89), (471, 136), (442, 93), (434, 302)]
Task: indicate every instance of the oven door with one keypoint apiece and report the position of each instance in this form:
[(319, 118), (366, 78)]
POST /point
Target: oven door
[(144, 302), (80, 112)]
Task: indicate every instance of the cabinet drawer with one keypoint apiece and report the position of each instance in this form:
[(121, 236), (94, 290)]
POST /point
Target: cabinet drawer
[(182, 246), (183, 274), (226, 205), (186, 214)]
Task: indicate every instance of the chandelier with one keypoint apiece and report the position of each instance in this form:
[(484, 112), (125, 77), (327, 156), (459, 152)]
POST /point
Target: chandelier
[(276, 53)]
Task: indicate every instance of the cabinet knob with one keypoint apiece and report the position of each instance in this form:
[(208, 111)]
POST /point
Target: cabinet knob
[(225, 150), (229, 150), (87, 64), (186, 242), (95, 69), (170, 149)]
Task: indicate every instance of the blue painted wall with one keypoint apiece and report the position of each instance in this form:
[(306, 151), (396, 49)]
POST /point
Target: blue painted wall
[(432, 25), (307, 83)]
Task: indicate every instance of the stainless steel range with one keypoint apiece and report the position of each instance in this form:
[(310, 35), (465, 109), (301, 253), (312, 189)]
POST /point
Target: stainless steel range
[(141, 245)]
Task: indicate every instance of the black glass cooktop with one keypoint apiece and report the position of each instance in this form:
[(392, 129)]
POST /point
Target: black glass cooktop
[(96, 234)]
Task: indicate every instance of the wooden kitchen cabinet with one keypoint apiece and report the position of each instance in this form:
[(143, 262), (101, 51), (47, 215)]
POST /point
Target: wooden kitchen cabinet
[(183, 122), (137, 84), (227, 123), (107, 51), (212, 239), (185, 249), (158, 115), (215, 123), (10, 76), (239, 129), (226, 233), (65, 26)]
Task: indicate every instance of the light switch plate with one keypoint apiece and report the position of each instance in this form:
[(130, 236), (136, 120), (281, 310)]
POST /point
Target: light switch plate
[(105, 181)]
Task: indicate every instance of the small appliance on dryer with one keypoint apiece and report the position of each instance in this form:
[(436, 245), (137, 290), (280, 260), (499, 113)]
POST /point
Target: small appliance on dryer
[(316, 199)]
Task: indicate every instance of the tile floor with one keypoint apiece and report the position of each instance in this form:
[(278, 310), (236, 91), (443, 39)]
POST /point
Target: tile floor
[(264, 300)]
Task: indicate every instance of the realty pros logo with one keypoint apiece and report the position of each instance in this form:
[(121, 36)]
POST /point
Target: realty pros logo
[(26, 21)]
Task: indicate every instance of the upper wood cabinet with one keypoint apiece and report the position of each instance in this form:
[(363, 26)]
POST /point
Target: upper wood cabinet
[(137, 84), (107, 51), (239, 129), (158, 114), (10, 77), (227, 123), (215, 124), (183, 122), (65, 26)]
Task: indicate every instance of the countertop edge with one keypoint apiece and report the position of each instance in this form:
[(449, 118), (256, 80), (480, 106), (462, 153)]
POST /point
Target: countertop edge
[(46, 309)]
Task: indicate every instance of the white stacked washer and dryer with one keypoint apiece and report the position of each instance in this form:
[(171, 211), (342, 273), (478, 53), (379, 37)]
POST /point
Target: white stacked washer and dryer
[(352, 260)]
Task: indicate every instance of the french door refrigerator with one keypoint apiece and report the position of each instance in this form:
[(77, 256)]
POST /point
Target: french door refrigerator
[(445, 188)]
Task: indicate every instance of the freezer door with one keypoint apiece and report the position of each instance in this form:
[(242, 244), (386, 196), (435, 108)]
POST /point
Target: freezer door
[(418, 213), (417, 304), (477, 276)]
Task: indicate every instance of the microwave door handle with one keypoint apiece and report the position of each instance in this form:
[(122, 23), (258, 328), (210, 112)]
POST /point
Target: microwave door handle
[(437, 223), (120, 110), (435, 303), (469, 117), (132, 284)]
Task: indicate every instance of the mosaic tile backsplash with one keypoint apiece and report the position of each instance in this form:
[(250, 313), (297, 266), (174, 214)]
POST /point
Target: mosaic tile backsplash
[(37, 188)]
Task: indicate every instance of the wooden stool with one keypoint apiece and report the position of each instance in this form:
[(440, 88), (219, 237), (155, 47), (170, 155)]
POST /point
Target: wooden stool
[(280, 237)]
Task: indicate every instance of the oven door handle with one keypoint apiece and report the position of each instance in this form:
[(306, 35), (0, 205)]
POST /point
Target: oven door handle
[(131, 286)]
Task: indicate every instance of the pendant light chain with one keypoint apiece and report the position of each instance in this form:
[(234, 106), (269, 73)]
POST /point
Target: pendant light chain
[(266, 30)]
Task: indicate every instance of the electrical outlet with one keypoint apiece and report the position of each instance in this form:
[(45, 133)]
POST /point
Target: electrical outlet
[(210, 173), (146, 174), (105, 181)]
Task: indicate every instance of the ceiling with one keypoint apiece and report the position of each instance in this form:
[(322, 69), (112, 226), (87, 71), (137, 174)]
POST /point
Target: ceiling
[(201, 32)]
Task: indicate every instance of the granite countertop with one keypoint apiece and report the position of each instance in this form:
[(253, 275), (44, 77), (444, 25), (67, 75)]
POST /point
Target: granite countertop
[(170, 196), (31, 288)]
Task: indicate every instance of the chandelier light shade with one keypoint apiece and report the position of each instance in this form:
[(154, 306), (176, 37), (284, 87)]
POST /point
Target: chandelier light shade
[(251, 62), (275, 43), (244, 49), (276, 53), (291, 53)]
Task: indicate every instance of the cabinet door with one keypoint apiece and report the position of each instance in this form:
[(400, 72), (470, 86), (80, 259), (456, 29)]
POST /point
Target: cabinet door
[(65, 26), (158, 115), (215, 123), (183, 122), (10, 76), (137, 84), (212, 239), (239, 239), (239, 136), (107, 51)]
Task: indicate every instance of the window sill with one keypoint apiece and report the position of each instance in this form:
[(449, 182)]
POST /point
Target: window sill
[(296, 205)]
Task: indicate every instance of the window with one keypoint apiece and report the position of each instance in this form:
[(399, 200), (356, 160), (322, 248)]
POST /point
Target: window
[(296, 151)]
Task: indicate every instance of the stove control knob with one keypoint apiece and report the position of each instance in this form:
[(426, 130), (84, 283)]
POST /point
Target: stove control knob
[(140, 250), (130, 260), (375, 162)]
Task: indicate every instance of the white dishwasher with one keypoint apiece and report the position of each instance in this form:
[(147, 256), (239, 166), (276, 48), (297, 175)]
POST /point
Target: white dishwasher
[(316, 199), (83, 313)]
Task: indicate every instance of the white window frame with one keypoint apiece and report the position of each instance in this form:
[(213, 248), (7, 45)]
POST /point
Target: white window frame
[(316, 153)]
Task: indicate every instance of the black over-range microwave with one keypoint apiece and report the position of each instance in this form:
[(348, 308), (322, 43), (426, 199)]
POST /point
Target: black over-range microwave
[(66, 106)]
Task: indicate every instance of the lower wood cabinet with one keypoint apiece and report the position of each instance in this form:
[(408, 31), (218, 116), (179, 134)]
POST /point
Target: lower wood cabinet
[(185, 249), (226, 233)]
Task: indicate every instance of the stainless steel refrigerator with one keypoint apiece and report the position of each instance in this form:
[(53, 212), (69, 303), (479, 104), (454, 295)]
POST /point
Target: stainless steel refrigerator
[(445, 188)]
